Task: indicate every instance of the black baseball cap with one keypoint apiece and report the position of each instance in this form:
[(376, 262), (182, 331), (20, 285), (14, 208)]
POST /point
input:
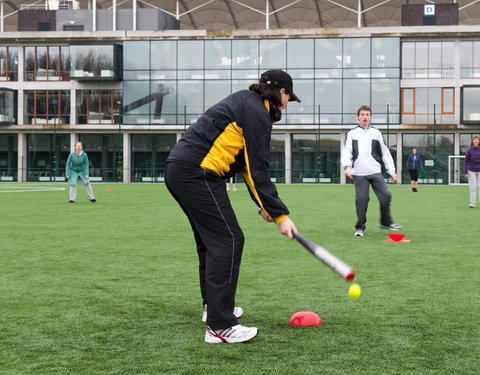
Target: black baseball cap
[(281, 80)]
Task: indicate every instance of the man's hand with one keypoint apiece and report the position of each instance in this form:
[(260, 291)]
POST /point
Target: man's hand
[(348, 173), (287, 228), (393, 176)]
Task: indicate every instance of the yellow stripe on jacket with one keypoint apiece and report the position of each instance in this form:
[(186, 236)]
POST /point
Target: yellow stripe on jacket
[(247, 176), (223, 151)]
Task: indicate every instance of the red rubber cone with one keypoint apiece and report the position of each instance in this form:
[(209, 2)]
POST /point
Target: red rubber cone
[(305, 318)]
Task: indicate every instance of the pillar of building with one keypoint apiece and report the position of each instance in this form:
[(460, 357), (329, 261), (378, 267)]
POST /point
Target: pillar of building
[(94, 15), (73, 139), (288, 158), (399, 164), (22, 157), (20, 96), (114, 15), (134, 21), (1, 16), (127, 158)]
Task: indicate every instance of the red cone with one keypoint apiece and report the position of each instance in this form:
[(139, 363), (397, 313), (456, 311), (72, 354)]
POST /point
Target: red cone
[(305, 318)]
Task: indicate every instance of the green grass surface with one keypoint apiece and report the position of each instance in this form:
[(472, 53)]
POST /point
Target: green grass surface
[(112, 287)]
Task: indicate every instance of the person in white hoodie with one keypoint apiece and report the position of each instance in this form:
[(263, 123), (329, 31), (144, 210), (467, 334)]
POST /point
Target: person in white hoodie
[(362, 155)]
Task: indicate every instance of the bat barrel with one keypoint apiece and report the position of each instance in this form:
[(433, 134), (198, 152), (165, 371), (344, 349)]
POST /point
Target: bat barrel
[(337, 265)]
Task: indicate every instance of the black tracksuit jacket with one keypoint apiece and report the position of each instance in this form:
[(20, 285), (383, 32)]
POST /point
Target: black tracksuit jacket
[(234, 136)]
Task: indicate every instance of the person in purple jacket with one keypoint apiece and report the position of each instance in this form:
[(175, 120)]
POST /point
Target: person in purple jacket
[(471, 169)]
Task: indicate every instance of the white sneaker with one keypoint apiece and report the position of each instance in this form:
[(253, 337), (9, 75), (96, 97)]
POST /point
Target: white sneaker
[(230, 335), (237, 311), (359, 233)]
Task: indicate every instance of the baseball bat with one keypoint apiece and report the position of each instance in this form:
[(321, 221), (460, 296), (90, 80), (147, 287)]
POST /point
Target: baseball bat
[(337, 265)]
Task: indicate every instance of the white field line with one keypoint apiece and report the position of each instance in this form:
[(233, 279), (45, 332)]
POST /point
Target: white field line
[(27, 189)]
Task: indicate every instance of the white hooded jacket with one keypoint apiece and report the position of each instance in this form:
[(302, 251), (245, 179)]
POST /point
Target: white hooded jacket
[(364, 150)]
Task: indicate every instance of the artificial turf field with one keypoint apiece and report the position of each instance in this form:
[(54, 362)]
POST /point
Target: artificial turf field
[(112, 287)]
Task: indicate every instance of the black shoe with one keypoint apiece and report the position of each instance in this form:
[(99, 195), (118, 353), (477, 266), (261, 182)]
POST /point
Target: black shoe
[(414, 190), (92, 200), (70, 201)]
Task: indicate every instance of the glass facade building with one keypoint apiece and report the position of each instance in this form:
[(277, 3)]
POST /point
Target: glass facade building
[(130, 99), (176, 81)]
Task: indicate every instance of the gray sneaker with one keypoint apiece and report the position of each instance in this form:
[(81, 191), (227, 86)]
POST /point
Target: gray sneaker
[(392, 226), (359, 233)]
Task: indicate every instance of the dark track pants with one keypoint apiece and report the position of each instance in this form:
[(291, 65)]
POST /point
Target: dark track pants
[(202, 196), (362, 197)]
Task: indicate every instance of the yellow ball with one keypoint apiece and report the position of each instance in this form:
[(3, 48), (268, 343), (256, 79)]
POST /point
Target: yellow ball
[(354, 291)]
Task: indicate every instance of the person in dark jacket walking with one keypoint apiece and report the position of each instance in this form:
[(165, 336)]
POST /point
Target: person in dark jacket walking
[(471, 169), (414, 165), (233, 136)]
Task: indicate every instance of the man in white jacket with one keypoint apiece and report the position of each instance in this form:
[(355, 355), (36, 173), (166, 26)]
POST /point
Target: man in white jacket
[(362, 155)]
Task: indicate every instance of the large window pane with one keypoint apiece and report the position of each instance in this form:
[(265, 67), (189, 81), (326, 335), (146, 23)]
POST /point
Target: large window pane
[(328, 100), (149, 152), (448, 100), (277, 158), (328, 53), (408, 101), (386, 52), (304, 157), (8, 63), (242, 84), (421, 60), (316, 158), (186, 50), (41, 64), (8, 106), (105, 155), (245, 54), (98, 106), (98, 61), (29, 63), (136, 55), (300, 53), (8, 157), (136, 99), (190, 101), (47, 107), (215, 91), (163, 104), (163, 54), (408, 60), (47, 156), (385, 92), (218, 54), (470, 104), (328, 160), (448, 55), (435, 60), (356, 52), (273, 54), (356, 92), (434, 149)]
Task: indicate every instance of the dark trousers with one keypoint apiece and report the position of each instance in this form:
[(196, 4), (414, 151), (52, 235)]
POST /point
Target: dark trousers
[(413, 174), (362, 197), (202, 196)]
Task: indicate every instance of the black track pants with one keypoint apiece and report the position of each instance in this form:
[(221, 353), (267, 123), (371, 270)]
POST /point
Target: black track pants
[(362, 197), (202, 196)]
